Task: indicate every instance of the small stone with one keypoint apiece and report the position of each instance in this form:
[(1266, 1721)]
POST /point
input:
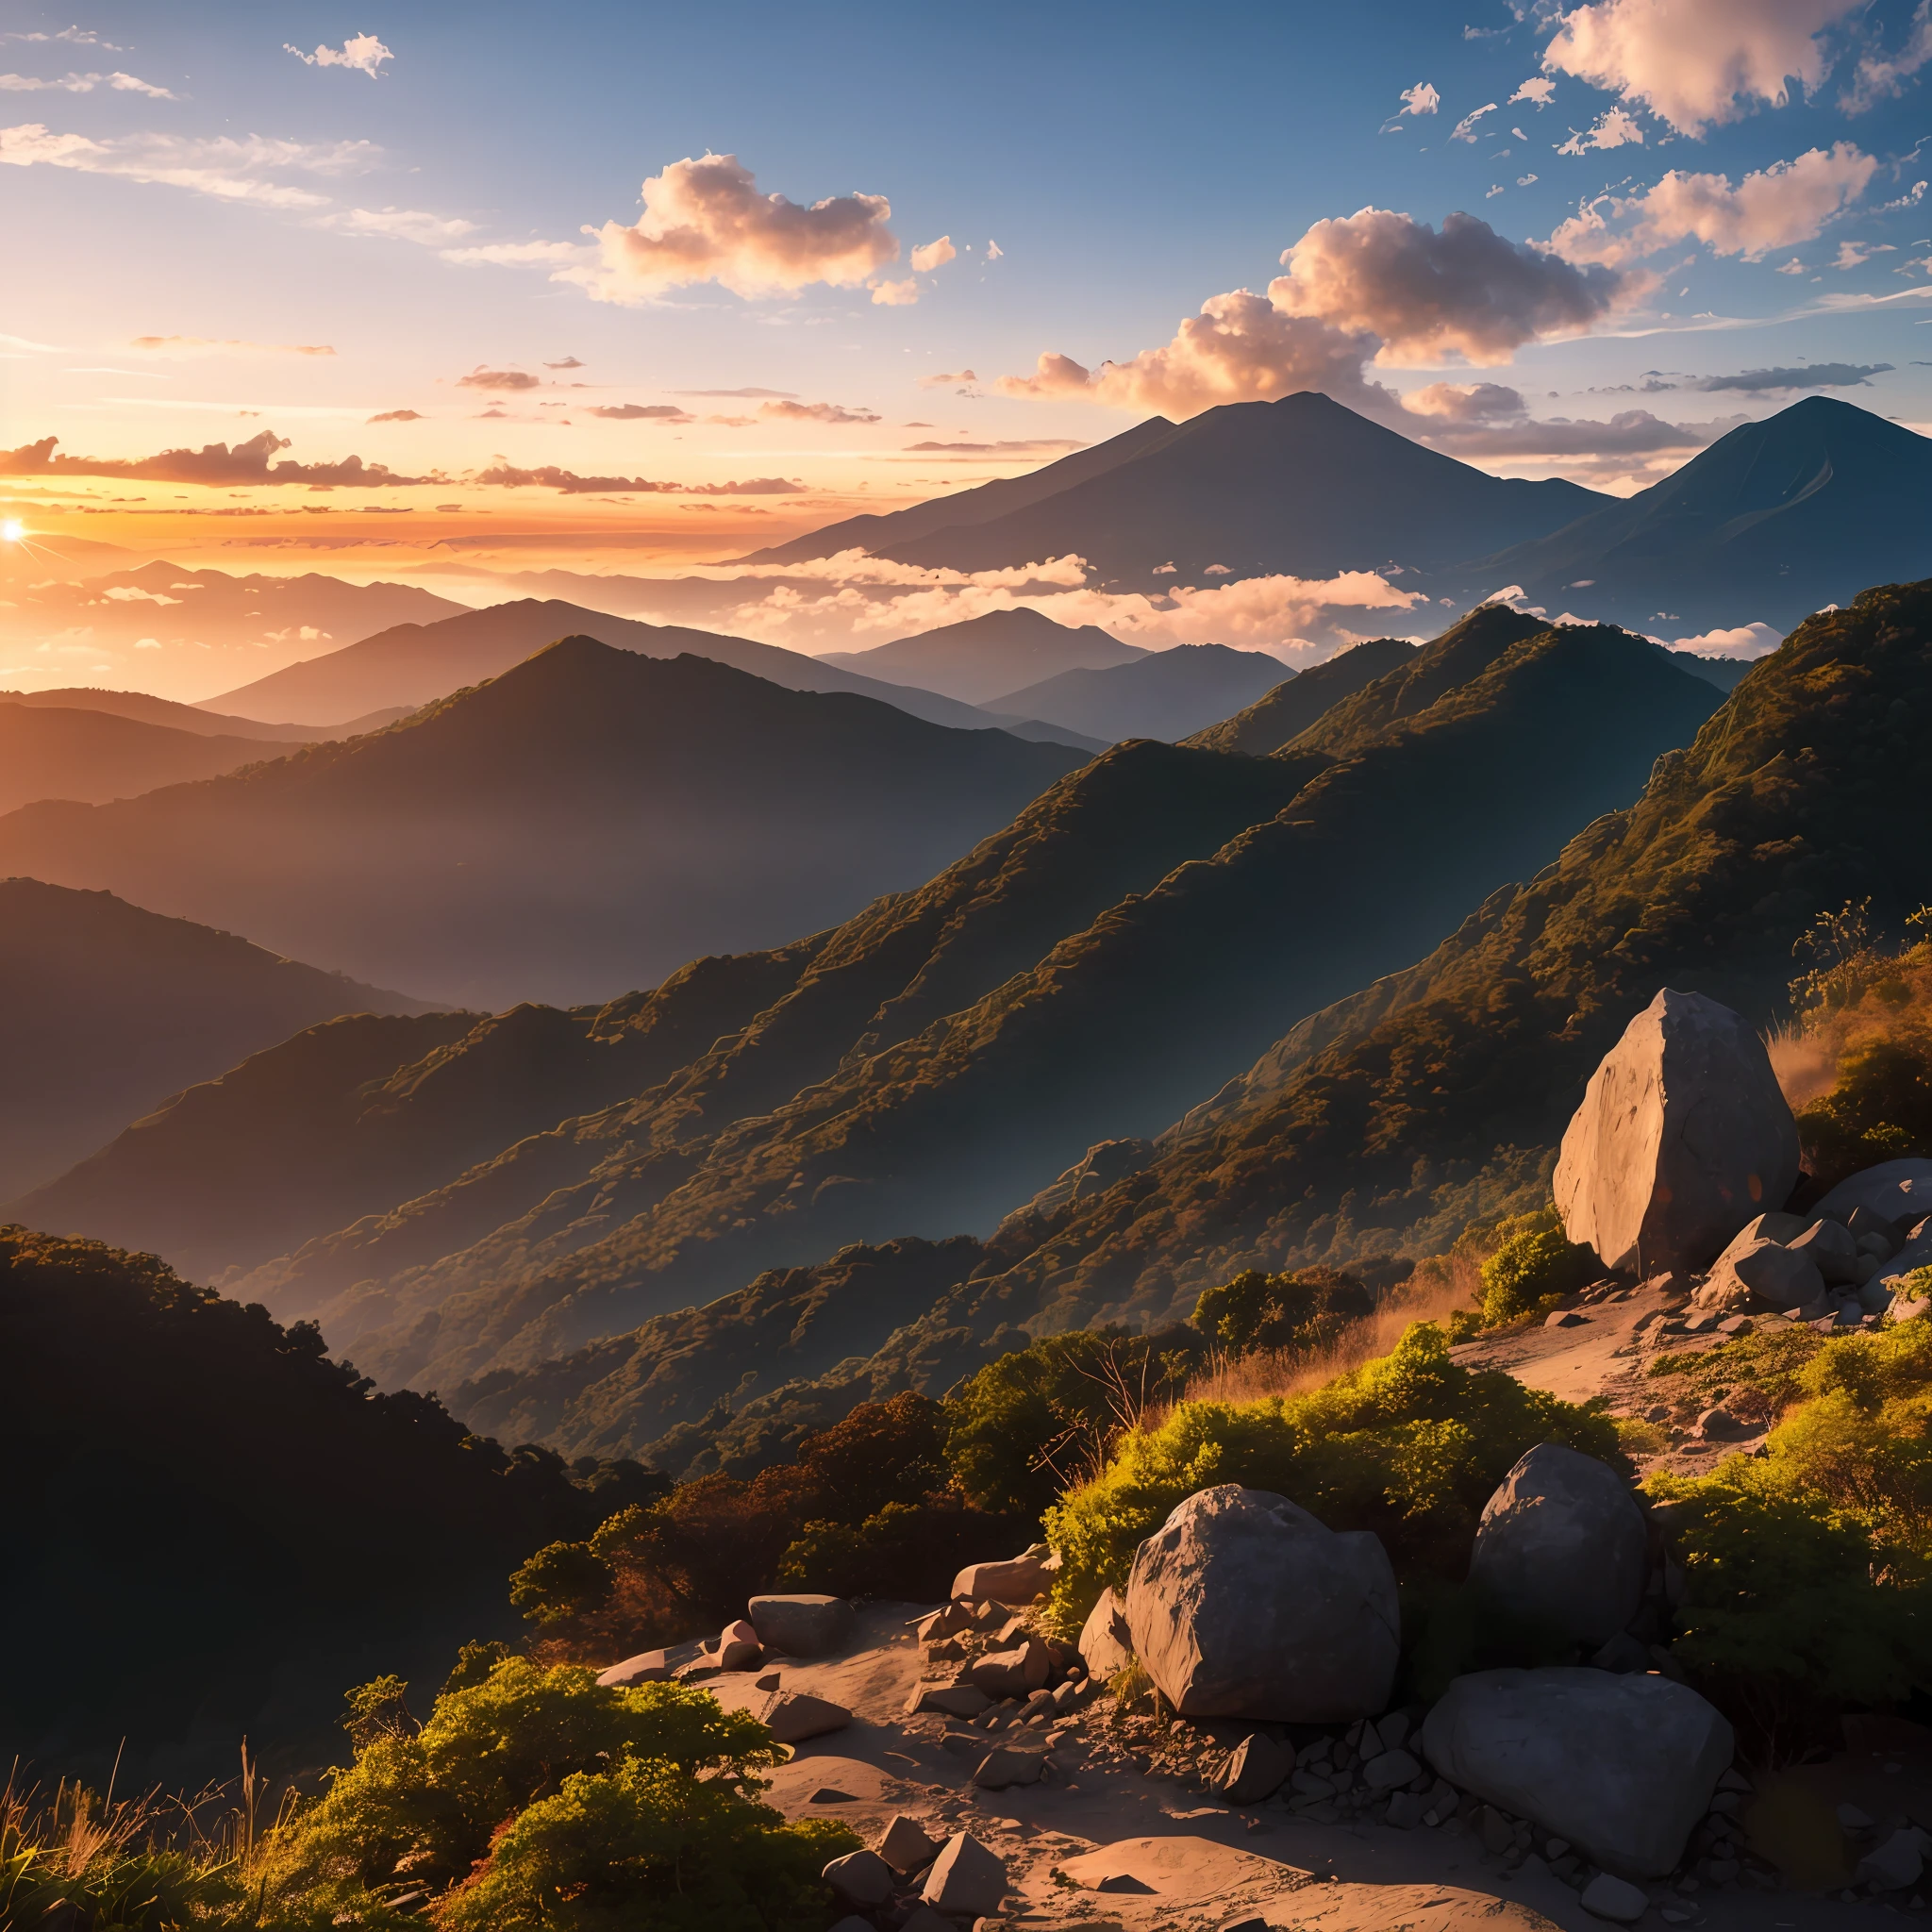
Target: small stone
[(904, 1846), (1896, 1864), (1007, 1765), (1615, 1899), (738, 1647), (1391, 1768), (1011, 1672), (1407, 1810), (967, 1878), (861, 1878), (791, 1716), (1564, 1318), (1256, 1769), (953, 1700), (831, 1795)]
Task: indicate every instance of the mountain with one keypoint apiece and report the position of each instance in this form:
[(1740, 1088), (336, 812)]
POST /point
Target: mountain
[(977, 659), (49, 753), (579, 825), (1280, 715), (148, 710), (105, 1011), (414, 664), (1771, 522), (936, 1109), (984, 504), (1158, 695), (179, 630), (1302, 485)]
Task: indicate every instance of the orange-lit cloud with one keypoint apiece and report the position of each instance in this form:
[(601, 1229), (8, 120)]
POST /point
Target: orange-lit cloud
[(704, 221), (197, 345), (480, 377), (932, 254), (548, 476), (789, 412), (213, 463)]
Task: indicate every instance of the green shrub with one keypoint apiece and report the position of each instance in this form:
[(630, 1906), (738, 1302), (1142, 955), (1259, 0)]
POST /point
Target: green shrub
[(1409, 1446), (1032, 1423), (1286, 1311), (1880, 1108), (1531, 1268), (419, 1808)]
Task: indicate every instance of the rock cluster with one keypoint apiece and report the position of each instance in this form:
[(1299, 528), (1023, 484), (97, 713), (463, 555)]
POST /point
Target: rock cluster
[(912, 1884), (1814, 1267)]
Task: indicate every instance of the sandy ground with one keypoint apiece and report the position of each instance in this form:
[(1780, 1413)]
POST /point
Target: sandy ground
[(1182, 1862)]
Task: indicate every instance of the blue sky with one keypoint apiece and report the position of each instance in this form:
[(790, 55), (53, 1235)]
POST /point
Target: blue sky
[(193, 203)]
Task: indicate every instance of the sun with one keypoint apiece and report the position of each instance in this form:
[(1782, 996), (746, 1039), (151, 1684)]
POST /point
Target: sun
[(12, 531)]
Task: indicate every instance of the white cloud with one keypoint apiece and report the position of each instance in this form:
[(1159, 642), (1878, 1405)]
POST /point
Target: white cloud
[(224, 167), (704, 221), (400, 224), (1792, 267), (790, 411), (1857, 253), (1878, 78), (1536, 89), (1698, 66), (1742, 640), (993, 250), (208, 345), (361, 53), (509, 253), (1785, 202), (1465, 128), (902, 295), (1615, 128), (932, 254), (1420, 99), (1525, 180), (84, 84)]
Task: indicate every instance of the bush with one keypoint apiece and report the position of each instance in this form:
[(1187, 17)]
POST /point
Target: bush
[(1409, 1446), (513, 1791), (1880, 1110), (1032, 1423), (1303, 1311), (1532, 1267)]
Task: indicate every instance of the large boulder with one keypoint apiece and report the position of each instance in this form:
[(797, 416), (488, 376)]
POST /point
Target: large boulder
[(967, 1880), (1621, 1767), (1017, 1580), (1014, 1672), (1242, 1605), (793, 1716), (650, 1666), (1682, 1137), (1562, 1541), (1758, 1272), (801, 1625), (1896, 1190), (1105, 1646)]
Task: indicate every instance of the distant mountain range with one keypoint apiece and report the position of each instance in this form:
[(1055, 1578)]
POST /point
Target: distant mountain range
[(47, 751), (148, 710), (1155, 694), (1772, 522), (1302, 485), (581, 824), (105, 1011), (1001, 652), (413, 664)]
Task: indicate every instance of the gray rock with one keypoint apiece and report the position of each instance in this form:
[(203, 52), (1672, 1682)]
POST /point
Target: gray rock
[(1017, 1580), (1899, 1191), (1105, 1646), (1014, 1672), (1009, 1764), (1875, 1298), (954, 1700), (1242, 1605), (948, 1621), (801, 1625), (905, 1846), (1258, 1768), (1682, 1137), (1832, 1246), (1896, 1863), (1623, 1767), (1564, 1541), (1720, 1426), (793, 1716), (1761, 1273), (1391, 1768), (1607, 1896), (861, 1878), (967, 1879)]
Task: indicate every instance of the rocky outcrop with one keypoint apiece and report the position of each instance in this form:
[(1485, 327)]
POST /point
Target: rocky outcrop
[(1622, 1767), (1563, 1543), (1017, 1580), (1758, 1271), (1243, 1605), (1899, 1191), (801, 1625), (1682, 1137)]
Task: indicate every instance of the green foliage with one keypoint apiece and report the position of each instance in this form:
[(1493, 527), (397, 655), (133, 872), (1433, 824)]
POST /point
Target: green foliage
[(1032, 1423), (1532, 1267), (1301, 1310), (1409, 1446), (419, 1808), (1770, 1366), (562, 1580), (1880, 1108)]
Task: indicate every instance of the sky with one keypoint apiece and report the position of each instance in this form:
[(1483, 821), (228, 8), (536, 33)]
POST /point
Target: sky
[(415, 290)]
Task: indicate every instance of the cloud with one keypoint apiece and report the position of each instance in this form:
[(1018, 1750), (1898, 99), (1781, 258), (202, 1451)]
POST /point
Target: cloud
[(400, 224), (932, 254), (895, 294), (1742, 640), (1878, 78), (704, 221), (360, 53), (1536, 89), (1465, 128), (509, 253), (224, 167), (947, 380), (790, 411), (548, 476), (1466, 402), (568, 362), (397, 416), (75, 36), (1696, 66), (193, 345), (993, 250), (783, 395), (1615, 128), (1465, 290), (1420, 99), (1857, 253), (214, 464), (85, 84), (752, 485), (635, 412), (484, 377), (1807, 376), (1034, 446), (1629, 433), (1789, 202)]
